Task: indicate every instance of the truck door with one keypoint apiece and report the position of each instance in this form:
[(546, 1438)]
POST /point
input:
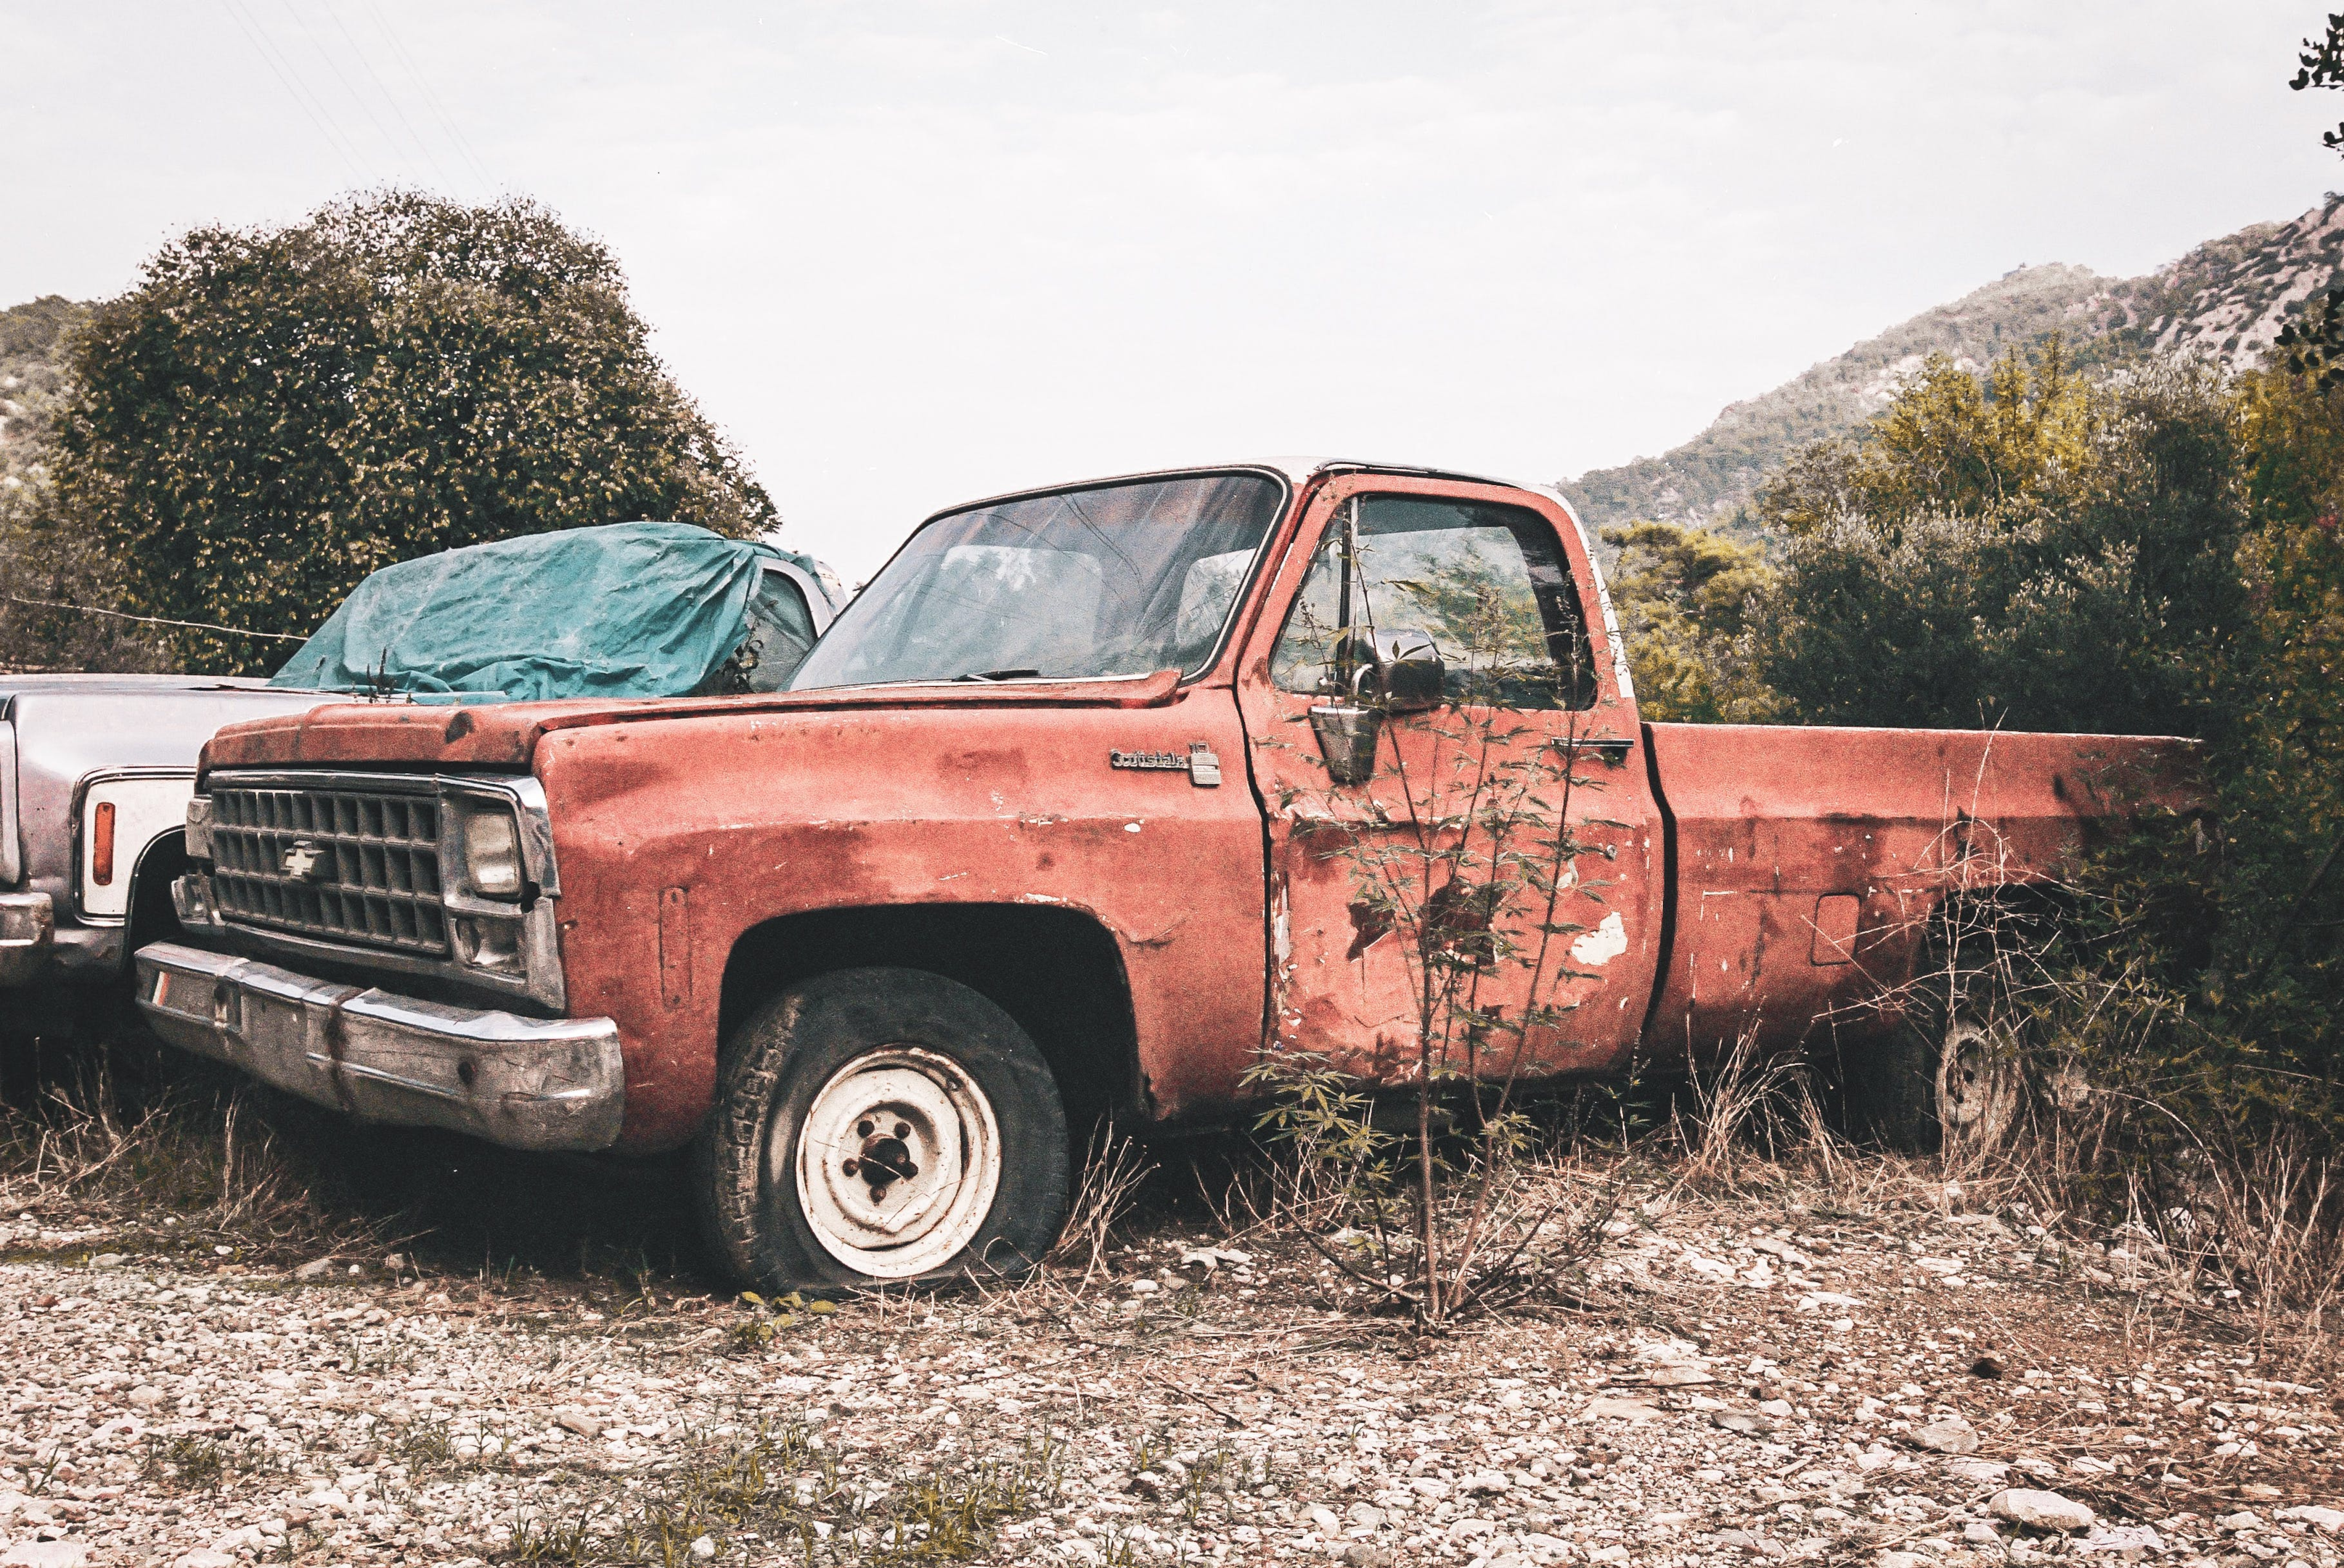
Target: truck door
[(1360, 886)]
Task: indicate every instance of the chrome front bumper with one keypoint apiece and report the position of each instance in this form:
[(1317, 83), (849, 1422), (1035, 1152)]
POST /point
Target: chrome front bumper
[(525, 1083), (28, 930)]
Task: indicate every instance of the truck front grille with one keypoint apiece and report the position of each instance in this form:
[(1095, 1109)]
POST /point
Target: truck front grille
[(341, 864)]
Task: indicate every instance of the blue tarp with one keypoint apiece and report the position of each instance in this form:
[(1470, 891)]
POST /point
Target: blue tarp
[(626, 610)]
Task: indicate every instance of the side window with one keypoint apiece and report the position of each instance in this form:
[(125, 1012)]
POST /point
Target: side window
[(779, 630), (1485, 583)]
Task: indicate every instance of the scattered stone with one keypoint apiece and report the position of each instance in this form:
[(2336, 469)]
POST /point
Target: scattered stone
[(1211, 1257), (1677, 1376), (2328, 1519), (46, 1555), (408, 1416), (2127, 1538), (1633, 1410), (1951, 1435), (2041, 1509)]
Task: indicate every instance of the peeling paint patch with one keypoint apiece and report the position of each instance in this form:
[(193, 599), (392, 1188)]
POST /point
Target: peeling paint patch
[(1605, 943)]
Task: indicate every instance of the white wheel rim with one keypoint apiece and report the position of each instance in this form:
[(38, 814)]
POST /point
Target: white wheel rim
[(1974, 1091), (898, 1161)]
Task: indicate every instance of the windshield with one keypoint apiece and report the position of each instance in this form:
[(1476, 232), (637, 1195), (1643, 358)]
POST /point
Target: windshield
[(1123, 579)]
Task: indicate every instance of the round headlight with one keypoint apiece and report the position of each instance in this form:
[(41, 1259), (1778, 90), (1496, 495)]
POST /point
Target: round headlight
[(492, 855)]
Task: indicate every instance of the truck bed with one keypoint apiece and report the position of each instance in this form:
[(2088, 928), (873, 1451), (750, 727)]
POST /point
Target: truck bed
[(1802, 862)]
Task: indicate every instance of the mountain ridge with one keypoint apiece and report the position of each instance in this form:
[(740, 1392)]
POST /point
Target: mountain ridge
[(2226, 298)]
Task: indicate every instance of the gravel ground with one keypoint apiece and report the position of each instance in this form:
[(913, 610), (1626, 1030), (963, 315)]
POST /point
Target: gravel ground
[(1884, 1378)]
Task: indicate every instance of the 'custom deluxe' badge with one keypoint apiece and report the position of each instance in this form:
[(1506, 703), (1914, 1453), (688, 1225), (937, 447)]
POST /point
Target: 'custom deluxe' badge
[(1202, 766)]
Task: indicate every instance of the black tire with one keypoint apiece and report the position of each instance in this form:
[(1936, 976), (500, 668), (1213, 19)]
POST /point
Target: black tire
[(781, 1214), (1946, 1079)]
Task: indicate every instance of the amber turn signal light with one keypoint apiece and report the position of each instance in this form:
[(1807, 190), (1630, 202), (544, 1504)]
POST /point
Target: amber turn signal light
[(101, 844)]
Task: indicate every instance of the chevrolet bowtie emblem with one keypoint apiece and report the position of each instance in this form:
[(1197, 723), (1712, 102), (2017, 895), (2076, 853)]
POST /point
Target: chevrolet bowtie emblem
[(305, 861)]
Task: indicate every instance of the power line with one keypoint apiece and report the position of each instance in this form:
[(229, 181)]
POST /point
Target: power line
[(259, 40), (154, 620), (430, 98), (335, 66), (375, 77)]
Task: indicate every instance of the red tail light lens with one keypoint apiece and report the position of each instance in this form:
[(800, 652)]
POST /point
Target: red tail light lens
[(101, 845)]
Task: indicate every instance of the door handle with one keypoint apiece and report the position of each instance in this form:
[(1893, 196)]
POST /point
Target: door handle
[(1611, 749)]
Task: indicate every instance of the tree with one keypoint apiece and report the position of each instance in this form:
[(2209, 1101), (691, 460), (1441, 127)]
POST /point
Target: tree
[(1687, 600), (2321, 65), (2025, 547), (273, 413), (44, 561)]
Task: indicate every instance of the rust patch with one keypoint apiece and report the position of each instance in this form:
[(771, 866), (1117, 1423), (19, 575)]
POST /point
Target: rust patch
[(674, 947)]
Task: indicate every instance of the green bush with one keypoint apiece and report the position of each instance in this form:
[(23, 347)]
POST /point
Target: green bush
[(273, 413), (2154, 549), (2031, 550)]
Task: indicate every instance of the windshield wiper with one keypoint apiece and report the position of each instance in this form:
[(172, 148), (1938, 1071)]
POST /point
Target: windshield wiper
[(999, 675)]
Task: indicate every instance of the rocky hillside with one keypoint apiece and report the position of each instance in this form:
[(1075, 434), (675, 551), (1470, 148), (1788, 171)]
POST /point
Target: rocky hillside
[(2226, 298)]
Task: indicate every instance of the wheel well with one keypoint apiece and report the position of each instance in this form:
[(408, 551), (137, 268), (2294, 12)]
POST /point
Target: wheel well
[(151, 916), (1057, 971)]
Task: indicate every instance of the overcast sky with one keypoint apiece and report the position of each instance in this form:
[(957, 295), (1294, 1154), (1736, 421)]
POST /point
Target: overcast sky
[(911, 253)]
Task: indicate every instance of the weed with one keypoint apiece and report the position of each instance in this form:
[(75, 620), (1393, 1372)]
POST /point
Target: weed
[(184, 1463), (1118, 1549), (569, 1541), (1470, 858), (950, 1518), (426, 1445), (767, 1318), (1113, 1169)]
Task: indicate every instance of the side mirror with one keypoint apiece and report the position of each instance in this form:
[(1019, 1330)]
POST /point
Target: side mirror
[(1395, 672), (1407, 668)]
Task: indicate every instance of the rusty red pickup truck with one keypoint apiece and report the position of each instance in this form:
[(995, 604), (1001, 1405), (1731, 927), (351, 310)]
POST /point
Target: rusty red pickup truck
[(1044, 821)]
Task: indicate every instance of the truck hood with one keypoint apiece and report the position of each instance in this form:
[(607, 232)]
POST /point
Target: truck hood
[(504, 735)]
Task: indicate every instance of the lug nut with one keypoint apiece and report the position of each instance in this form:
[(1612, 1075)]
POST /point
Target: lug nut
[(850, 1168)]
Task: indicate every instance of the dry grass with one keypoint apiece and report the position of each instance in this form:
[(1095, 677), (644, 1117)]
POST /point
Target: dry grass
[(1750, 1118), (1114, 1168), (124, 1139), (127, 1148)]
